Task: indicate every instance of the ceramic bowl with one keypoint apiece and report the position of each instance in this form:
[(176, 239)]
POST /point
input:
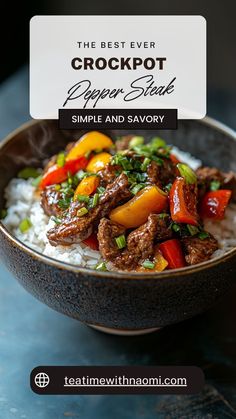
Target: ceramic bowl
[(117, 302)]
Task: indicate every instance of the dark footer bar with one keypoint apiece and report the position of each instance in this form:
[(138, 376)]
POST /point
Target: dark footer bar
[(117, 380), (118, 119)]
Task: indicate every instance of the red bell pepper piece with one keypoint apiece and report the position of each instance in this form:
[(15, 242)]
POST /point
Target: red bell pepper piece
[(173, 253), (56, 174), (92, 242), (214, 203), (183, 202)]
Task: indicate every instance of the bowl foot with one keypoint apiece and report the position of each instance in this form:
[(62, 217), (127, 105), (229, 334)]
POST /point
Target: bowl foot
[(123, 332)]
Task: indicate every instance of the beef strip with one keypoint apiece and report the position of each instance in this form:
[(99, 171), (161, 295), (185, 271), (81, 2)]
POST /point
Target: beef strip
[(153, 174), (108, 174), (161, 175), (73, 228), (123, 142), (107, 232), (140, 242), (206, 175), (168, 171), (49, 201), (197, 250)]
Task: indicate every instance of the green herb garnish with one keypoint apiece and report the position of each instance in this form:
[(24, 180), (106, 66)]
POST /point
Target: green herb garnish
[(136, 188), (82, 211), (64, 203), (101, 266), (101, 190), (145, 164), (120, 241), (203, 235), (148, 264), (35, 182), (56, 220), (80, 174), (28, 172), (83, 198), (157, 142), (94, 200), (135, 141), (163, 215), (187, 173), (215, 185), (25, 225), (193, 230), (61, 159), (3, 214), (122, 160), (168, 187), (175, 227)]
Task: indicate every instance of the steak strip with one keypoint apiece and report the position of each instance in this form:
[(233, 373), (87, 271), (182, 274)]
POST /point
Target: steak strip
[(197, 250), (73, 228), (140, 242)]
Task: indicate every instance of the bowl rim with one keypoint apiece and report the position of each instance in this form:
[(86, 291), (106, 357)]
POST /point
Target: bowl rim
[(115, 274)]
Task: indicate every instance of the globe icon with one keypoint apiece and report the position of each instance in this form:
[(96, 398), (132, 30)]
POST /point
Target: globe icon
[(41, 380)]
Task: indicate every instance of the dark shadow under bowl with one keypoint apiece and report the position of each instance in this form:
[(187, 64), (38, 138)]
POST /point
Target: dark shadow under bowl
[(120, 301)]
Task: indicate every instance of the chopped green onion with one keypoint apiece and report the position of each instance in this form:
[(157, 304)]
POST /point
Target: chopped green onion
[(193, 230), (203, 235), (57, 187), (100, 189), (175, 227), (137, 188), (215, 185), (64, 203), (61, 159), (95, 200), (157, 160), (83, 198), (25, 225), (145, 164), (28, 172), (3, 214), (82, 211), (56, 220), (101, 266), (36, 181), (120, 241), (163, 215), (64, 184), (137, 140), (187, 173), (158, 142), (148, 264), (141, 177), (80, 174), (168, 187), (121, 160)]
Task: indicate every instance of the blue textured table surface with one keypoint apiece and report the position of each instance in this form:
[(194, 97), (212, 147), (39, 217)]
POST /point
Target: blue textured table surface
[(31, 334)]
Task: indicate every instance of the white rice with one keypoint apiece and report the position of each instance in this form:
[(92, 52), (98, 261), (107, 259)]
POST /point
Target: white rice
[(22, 202)]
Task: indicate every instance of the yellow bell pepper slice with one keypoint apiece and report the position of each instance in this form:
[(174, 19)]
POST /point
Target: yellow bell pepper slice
[(87, 186), (88, 142), (136, 211), (98, 162)]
